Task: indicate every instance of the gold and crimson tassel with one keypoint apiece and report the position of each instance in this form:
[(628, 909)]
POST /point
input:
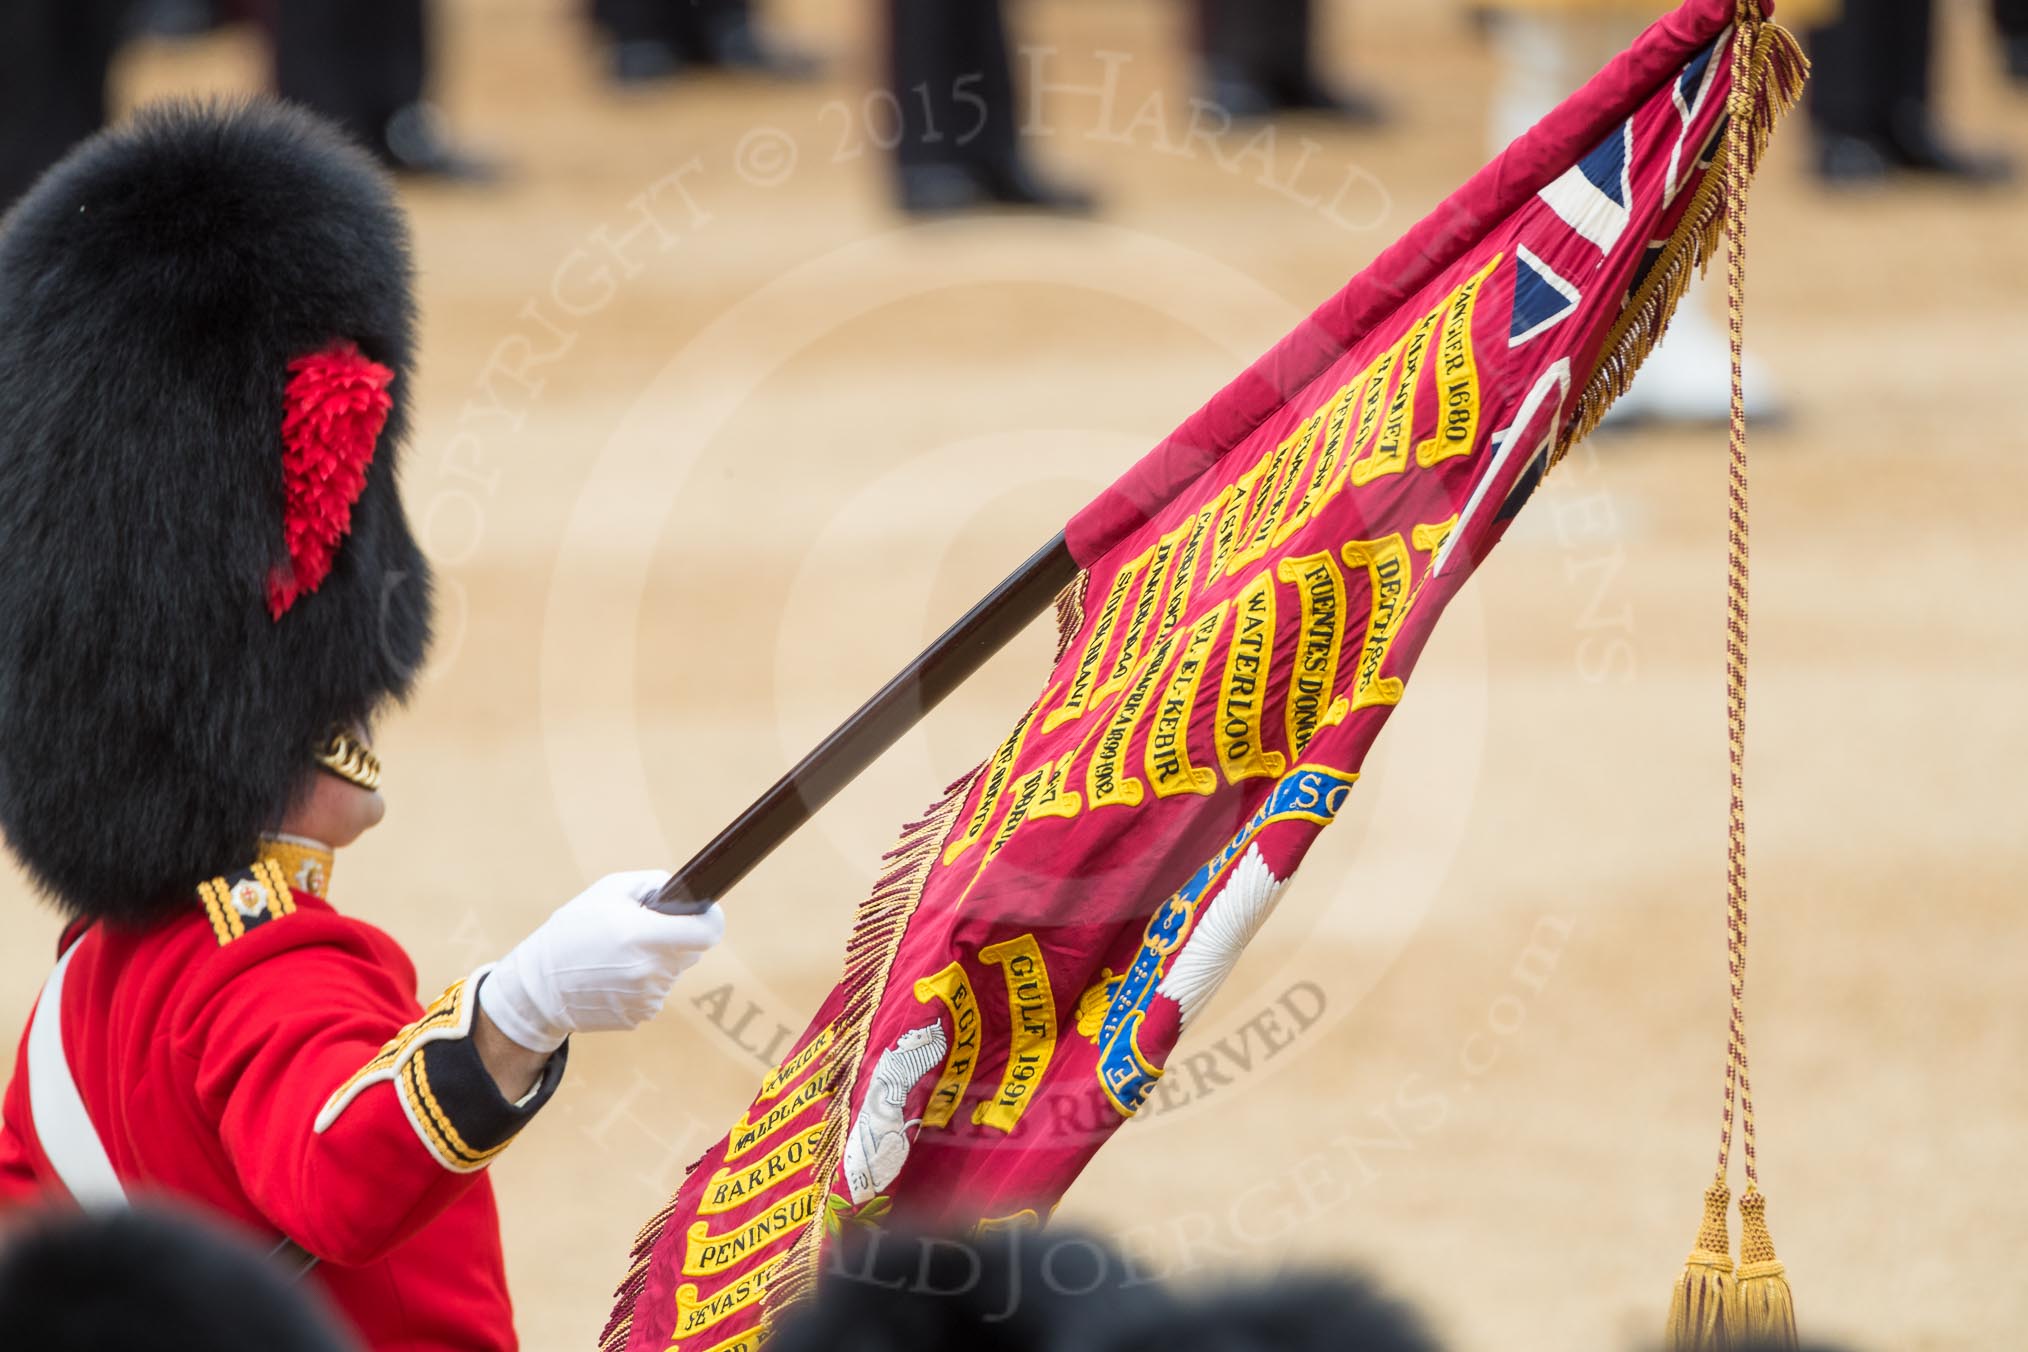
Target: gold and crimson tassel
[(1767, 1310), (1704, 1309), (1714, 1306)]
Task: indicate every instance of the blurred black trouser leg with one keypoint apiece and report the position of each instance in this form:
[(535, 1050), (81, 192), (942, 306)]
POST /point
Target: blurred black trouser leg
[(1263, 43), (2010, 17), (630, 20), (358, 62), (694, 30), (1870, 100), (53, 59), (656, 38), (700, 29), (951, 75), (1871, 70)]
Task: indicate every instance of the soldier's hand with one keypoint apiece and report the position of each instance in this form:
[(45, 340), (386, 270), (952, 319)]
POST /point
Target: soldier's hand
[(603, 962)]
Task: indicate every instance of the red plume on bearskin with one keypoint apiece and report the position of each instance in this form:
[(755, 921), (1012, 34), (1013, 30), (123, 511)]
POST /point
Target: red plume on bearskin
[(333, 410), (198, 428)]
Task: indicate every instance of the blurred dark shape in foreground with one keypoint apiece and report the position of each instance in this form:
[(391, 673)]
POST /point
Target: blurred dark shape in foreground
[(1060, 1290), (139, 1279), (1026, 1290)]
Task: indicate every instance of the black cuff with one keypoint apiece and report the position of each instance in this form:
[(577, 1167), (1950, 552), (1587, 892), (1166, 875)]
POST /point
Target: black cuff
[(463, 1111), (445, 1090)]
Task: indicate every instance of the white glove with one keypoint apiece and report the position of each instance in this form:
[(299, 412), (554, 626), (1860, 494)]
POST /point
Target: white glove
[(603, 962)]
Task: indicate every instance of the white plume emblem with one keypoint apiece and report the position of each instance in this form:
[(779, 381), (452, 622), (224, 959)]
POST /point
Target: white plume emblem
[(1227, 926), (878, 1143)]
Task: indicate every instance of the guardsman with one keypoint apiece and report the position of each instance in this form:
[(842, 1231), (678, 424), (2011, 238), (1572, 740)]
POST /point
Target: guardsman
[(53, 60), (208, 591), (1872, 100), (655, 39), (960, 146), (367, 67), (1259, 60)]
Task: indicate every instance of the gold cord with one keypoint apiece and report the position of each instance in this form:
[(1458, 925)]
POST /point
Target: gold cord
[(1740, 108), (1713, 1304)]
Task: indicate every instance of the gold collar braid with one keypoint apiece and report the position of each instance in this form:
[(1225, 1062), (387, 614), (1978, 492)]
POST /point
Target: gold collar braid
[(305, 864)]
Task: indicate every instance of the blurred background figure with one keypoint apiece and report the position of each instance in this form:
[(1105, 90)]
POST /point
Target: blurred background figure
[(132, 1279), (1869, 94), (1257, 61), (1550, 47), (2011, 18), (366, 67), (53, 59), (652, 40), (1546, 50), (952, 78)]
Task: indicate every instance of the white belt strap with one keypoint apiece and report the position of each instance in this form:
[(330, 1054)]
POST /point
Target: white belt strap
[(69, 1140)]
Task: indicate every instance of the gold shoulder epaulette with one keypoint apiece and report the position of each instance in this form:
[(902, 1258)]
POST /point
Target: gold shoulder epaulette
[(246, 900)]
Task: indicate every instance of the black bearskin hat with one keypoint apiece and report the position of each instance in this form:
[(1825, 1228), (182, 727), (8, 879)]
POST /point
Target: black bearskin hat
[(205, 339)]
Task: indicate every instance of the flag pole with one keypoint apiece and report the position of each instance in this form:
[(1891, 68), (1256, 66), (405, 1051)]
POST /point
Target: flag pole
[(861, 739)]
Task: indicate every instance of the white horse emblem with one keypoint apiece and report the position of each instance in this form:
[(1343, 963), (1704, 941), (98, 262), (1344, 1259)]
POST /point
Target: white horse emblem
[(877, 1145)]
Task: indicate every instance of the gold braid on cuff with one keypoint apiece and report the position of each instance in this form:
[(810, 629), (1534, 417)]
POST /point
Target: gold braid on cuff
[(348, 757)]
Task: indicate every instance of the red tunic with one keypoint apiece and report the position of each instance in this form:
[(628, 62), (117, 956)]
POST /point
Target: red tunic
[(207, 1059)]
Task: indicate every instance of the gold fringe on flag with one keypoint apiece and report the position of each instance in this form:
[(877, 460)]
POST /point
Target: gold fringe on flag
[(1774, 85), (1070, 612), (1715, 1307), (877, 929), (877, 932)]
